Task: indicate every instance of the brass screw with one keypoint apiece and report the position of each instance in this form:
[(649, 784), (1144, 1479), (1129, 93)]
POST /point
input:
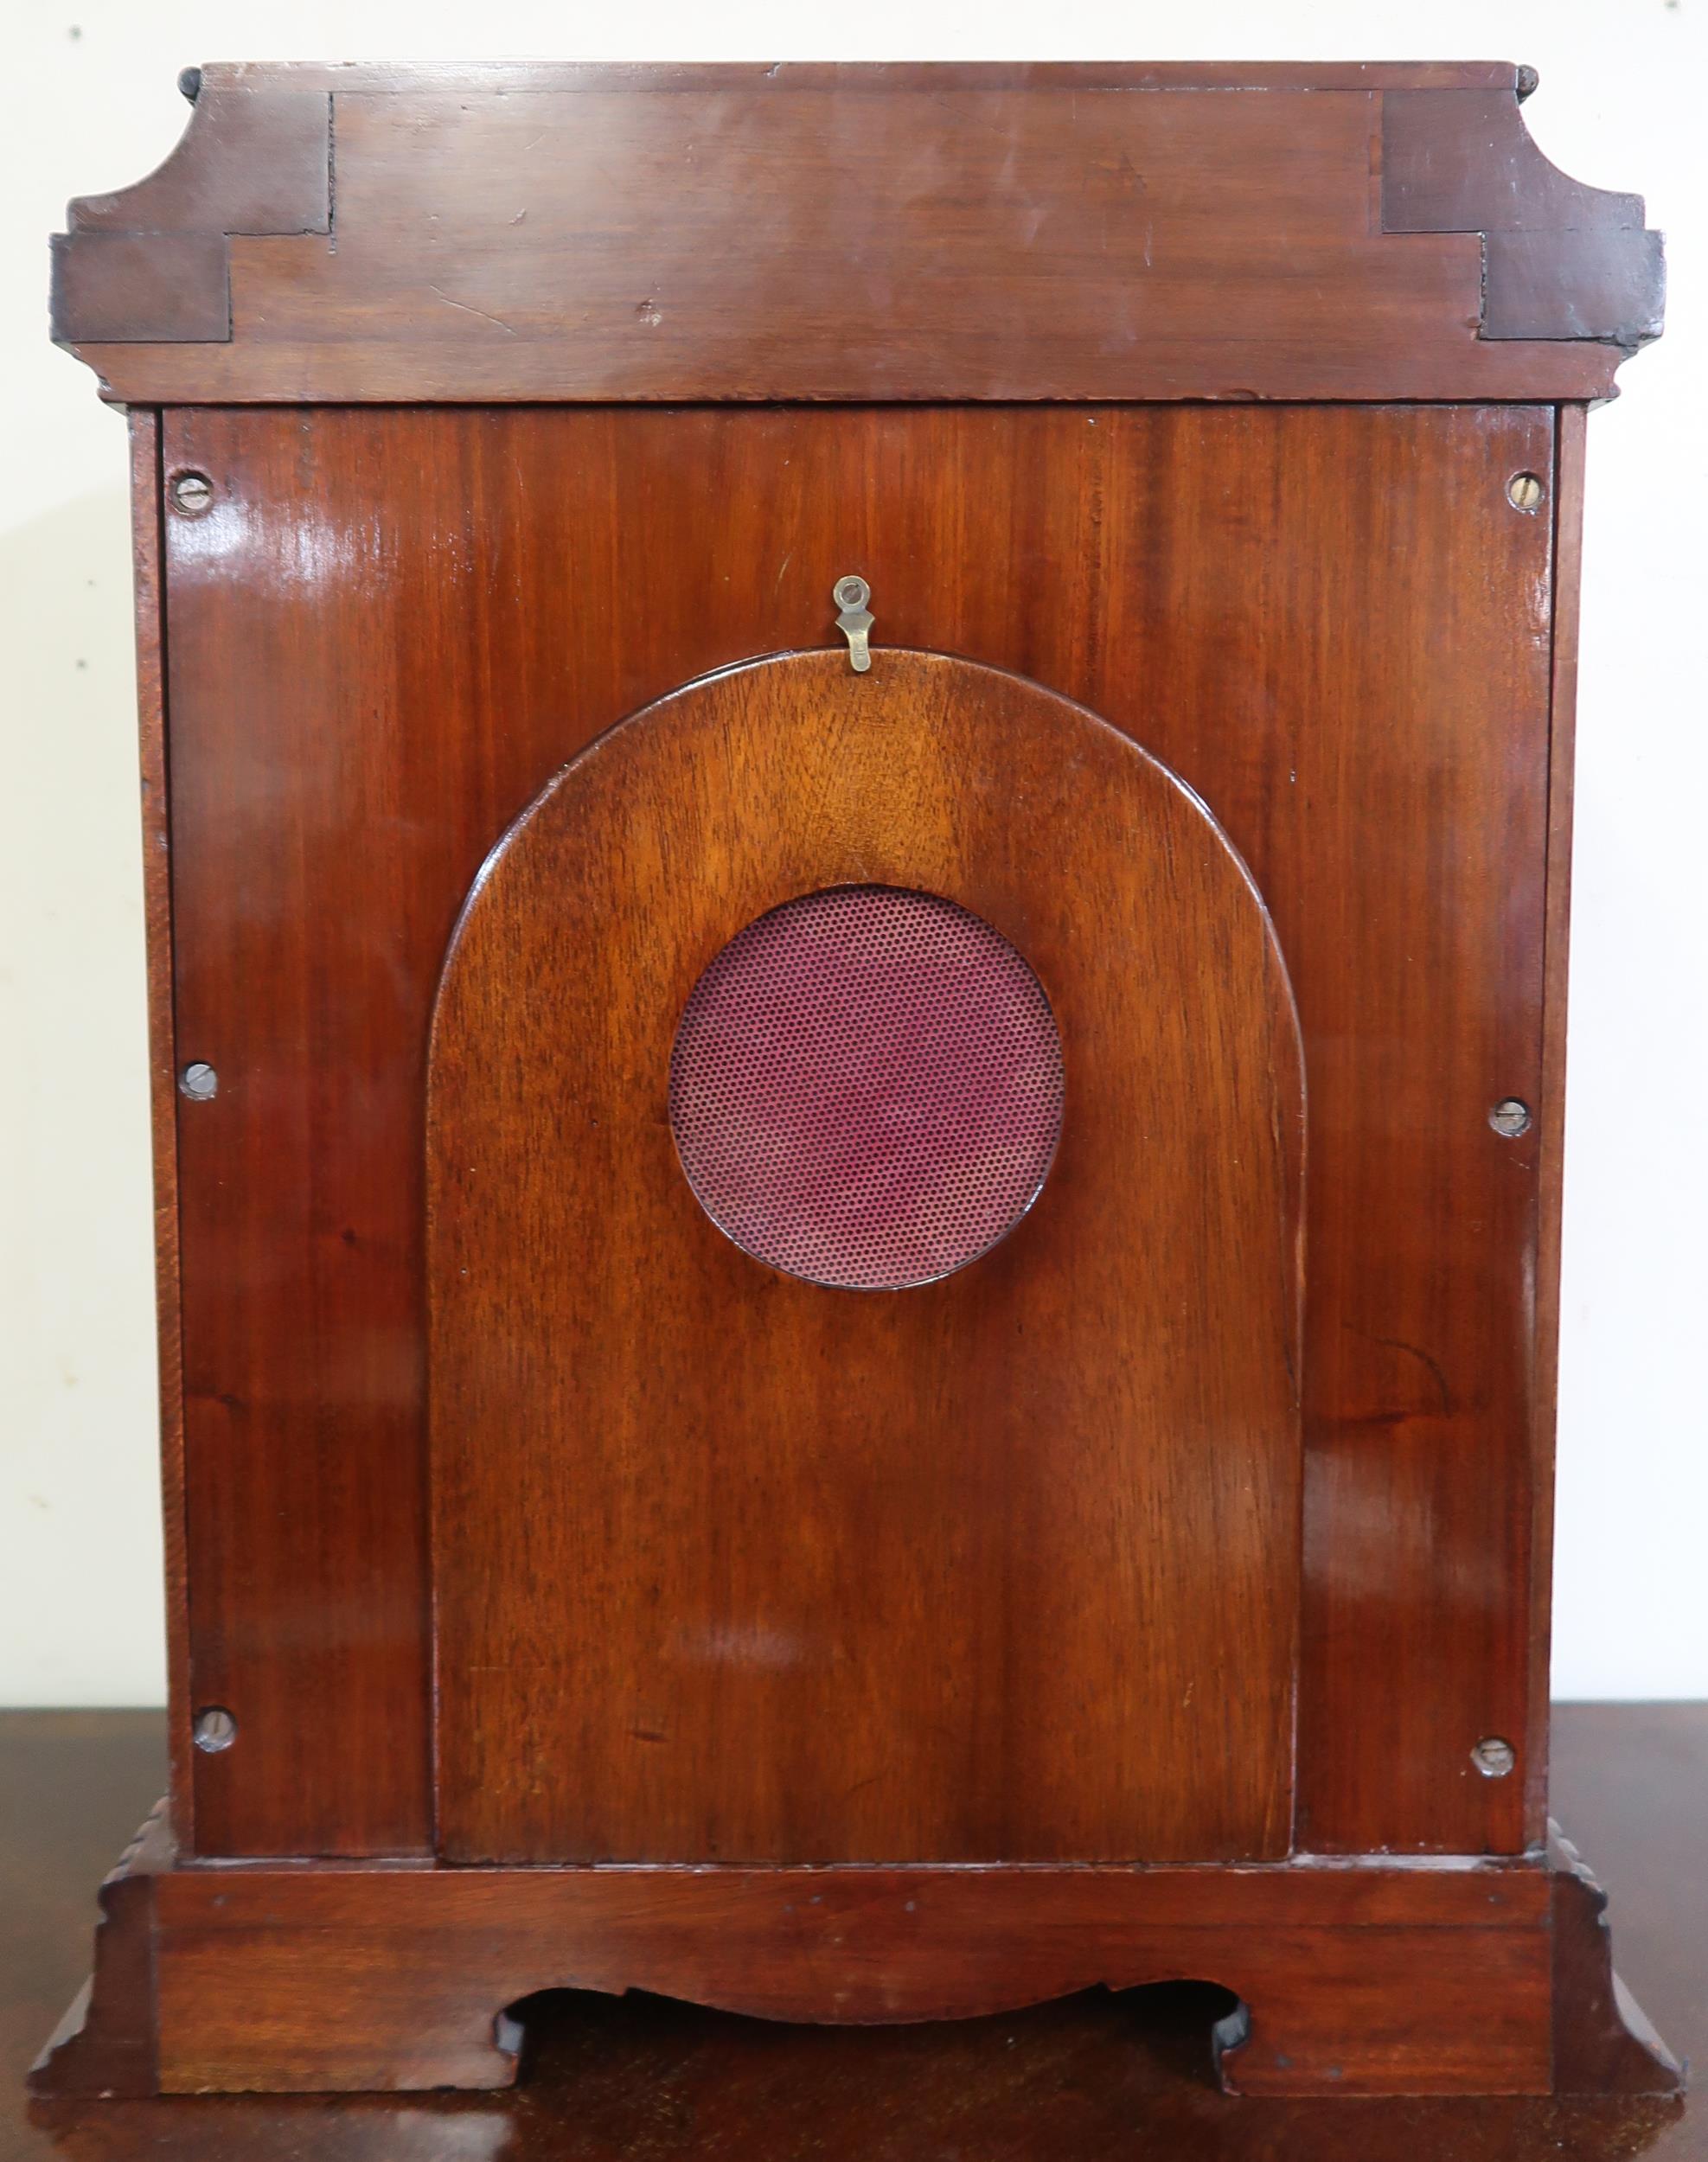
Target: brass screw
[(192, 493), (1524, 492)]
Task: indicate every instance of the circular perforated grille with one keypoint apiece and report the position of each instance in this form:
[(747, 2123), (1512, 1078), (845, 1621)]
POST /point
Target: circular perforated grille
[(865, 1088)]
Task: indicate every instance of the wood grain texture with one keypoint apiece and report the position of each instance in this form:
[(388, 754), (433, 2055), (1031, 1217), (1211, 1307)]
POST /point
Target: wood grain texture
[(153, 262), (1474, 1980), (146, 513), (393, 627), (1453, 1988), (729, 1566), (856, 233), (1462, 161), (318, 1978), (1568, 521)]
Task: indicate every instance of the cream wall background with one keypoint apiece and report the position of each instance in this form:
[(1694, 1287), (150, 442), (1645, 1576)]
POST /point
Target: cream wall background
[(93, 106)]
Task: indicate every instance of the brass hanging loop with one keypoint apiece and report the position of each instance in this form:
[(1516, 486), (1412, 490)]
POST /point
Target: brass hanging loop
[(855, 622)]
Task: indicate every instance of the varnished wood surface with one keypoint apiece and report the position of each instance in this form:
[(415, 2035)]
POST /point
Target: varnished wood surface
[(391, 628), (730, 1567), (1083, 2078), (847, 232), (147, 515), (1455, 161), (1374, 1979), (372, 1979), (1568, 520)]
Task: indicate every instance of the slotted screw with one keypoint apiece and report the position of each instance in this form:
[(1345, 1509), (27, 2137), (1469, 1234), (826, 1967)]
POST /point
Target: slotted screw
[(1510, 1117), (192, 493), (1493, 1758), (214, 1729)]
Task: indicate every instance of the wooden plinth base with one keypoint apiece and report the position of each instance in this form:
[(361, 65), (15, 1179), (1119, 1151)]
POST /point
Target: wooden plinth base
[(1361, 1978)]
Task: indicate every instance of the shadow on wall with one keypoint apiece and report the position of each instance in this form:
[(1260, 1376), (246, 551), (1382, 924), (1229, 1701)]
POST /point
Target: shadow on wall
[(79, 1544)]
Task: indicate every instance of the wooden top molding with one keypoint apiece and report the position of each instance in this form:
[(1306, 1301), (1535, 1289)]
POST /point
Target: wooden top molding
[(151, 265), (371, 233), (1561, 260)]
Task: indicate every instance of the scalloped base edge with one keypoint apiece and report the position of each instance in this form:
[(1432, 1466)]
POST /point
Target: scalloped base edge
[(1370, 1977)]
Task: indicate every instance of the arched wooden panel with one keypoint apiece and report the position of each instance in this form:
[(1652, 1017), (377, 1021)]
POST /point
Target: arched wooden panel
[(730, 1566)]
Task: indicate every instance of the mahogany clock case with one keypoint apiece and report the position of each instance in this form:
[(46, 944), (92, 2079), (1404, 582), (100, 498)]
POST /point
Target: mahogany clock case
[(576, 1601)]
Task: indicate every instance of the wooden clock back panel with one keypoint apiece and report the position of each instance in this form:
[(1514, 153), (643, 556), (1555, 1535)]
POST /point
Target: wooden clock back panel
[(729, 1566), (392, 626)]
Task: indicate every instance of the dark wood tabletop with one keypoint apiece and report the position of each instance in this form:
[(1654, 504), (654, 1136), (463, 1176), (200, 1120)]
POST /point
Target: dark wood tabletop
[(1091, 2076)]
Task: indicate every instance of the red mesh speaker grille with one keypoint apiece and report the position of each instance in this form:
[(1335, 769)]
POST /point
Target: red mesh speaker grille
[(865, 1088)]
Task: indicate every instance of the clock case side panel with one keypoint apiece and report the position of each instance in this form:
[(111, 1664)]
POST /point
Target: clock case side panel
[(1571, 429), (297, 1485), (146, 511)]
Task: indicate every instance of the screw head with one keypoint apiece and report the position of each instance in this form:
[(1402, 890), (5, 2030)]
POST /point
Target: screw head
[(1524, 491), (1510, 1117), (191, 493), (1494, 1756), (213, 1730), (851, 592), (199, 1083)]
